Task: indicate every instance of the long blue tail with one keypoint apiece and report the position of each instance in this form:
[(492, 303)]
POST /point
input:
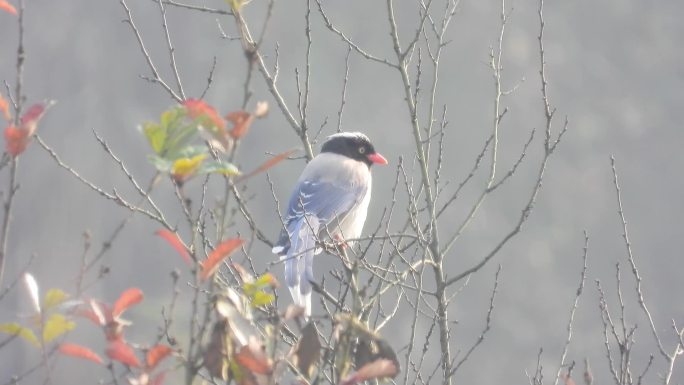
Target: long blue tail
[(299, 260)]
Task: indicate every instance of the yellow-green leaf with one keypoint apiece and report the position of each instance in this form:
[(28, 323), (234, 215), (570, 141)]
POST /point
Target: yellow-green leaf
[(254, 290), (249, 288), (170, 117), (262, 298), (23, 332), (56, 325), (183, 168), (235, 5), (54, 297), (267, 280), (156, 135), (219, 167)]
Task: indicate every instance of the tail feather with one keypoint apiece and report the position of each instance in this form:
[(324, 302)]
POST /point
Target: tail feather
[(299, 261)]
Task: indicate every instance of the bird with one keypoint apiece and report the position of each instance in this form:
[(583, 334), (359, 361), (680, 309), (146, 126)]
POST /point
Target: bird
[(329, 202)]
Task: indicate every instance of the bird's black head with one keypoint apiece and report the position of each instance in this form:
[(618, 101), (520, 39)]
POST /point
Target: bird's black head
[(354, 145)]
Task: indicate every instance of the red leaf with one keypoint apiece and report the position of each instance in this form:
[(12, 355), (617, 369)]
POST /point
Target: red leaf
[(127, 299), (241, 120), (89, 314), (79, 351), (266, 165), (5, 6), (118, 350), (157, 354), (4, 106), (114, 330), (221, 252), (16, 140), (198, 108), (29, 121), (176, 243), (99, 313), (377, 369), (102, 312)]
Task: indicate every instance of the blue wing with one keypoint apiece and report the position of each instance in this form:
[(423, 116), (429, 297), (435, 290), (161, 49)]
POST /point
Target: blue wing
[(313, 206), (325, 201)]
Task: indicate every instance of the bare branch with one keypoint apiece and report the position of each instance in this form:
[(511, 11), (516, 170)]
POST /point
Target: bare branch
[(156, 78), (578, 294), (253, 53), (17, 102), (199, 8), (171, 49), (349, 42), (114, 196), (488, 321), (343, 100)]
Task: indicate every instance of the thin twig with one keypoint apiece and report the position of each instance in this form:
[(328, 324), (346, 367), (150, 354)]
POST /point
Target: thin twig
[(578, 294), (199, 8), (156, 77), (171, 49), (487, 324), (343, 100), (669, 358), (114, 196), (17, 102), (349, 42), (253, 51)]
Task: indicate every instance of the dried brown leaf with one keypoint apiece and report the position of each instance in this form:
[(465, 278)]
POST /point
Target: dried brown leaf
[(380, 368), (217, 351), (254, 358), (307, 351)]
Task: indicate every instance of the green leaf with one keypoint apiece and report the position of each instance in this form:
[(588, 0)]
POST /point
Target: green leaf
[(56, 325), (219, 167), (161, 164), (191, 151), (156, 136), (170, 118), (262, 298), (168, 137), (178, 140), (54, 297), (23, 332)]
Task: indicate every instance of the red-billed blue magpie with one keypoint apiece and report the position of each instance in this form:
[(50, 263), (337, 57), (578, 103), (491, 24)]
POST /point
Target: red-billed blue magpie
[(330, 201)]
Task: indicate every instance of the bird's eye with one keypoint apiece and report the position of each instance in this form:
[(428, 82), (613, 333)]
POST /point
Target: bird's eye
[(362, 150)]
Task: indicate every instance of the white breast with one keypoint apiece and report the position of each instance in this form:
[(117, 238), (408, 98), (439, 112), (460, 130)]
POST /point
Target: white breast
[(334, 168), (352, 226)]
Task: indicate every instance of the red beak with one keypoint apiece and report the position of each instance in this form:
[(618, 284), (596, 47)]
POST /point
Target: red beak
[(377, 158)]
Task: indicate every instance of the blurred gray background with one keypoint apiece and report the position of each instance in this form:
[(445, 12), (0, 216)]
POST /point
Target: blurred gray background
[(615, 68)]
